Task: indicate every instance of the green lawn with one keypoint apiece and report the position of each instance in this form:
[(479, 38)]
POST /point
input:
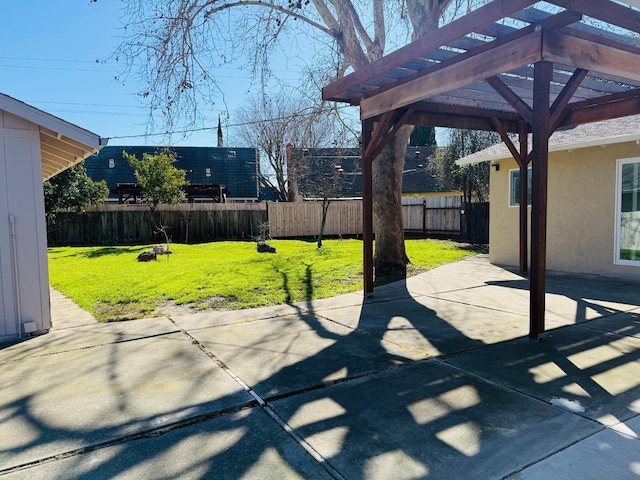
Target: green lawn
[(111, 284)]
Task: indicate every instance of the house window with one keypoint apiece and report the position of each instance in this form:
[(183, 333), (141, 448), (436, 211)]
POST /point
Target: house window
[(628, 212), (514, 188)]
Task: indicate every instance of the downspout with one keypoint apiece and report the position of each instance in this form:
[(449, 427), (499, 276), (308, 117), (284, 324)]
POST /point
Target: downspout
[(14, 243)]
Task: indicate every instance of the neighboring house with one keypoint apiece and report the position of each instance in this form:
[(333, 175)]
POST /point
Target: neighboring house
[(305, 166), (593, 199), (208, 169), (34, 146)]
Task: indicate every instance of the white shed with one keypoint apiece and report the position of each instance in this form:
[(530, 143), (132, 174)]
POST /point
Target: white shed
[(34, 146)]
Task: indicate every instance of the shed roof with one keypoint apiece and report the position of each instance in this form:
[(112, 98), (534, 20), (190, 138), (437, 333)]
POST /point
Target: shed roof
[(608, 132), (62, 144)]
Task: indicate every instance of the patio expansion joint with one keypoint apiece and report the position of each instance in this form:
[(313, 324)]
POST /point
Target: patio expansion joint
[(585, 324), (377, 337), (306, 446), (264, 404), (501, 310), (219, 363), (442, 292), (150, 433), (228, 324), (550, 454), (443, 361), (88, 347), (600, 427)]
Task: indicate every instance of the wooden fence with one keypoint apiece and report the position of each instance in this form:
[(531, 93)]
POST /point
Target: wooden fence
[(201, 222), (432, 215), (188, 223), (302, 219)]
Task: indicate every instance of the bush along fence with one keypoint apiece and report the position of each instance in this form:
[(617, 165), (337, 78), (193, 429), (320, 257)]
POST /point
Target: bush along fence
[(202, 222)]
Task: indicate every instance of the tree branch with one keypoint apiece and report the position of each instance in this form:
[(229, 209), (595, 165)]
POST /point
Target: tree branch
[(271, 6)]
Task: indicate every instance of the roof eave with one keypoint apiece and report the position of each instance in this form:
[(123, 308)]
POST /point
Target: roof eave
[(601, 142)]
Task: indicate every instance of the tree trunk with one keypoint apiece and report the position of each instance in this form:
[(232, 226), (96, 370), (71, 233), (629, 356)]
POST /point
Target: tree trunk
[(390, 259), (325, 209)]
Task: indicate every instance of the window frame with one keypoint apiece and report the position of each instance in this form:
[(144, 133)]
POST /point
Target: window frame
[(618, 212), (516, 203)]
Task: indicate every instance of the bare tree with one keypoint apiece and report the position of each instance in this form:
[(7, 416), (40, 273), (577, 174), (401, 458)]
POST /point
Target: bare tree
[(471, 180), (273, 122), (321, 175), (177, 44)]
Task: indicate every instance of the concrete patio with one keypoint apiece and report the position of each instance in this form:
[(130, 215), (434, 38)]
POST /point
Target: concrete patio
[(430, 378)]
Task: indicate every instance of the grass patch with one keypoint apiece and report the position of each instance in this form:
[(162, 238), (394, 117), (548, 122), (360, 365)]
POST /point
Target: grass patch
[(112, 285)]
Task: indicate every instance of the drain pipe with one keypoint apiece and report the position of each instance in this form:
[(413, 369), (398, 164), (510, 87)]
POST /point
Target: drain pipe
[(14, 242)]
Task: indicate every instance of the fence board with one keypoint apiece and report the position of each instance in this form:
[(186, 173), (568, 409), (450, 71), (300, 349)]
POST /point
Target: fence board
[(303, 219), (201, 222), (126, 224)]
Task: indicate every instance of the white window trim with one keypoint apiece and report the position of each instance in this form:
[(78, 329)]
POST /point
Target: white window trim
[(516, 205), (616, 243)]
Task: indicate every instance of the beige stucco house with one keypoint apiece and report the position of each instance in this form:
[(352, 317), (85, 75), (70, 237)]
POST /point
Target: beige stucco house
[(34, 146), (593, 200)]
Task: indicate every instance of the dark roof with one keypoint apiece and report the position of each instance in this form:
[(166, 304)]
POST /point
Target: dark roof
[(617, 130), (312, 165), (418, 176), (235, 168)]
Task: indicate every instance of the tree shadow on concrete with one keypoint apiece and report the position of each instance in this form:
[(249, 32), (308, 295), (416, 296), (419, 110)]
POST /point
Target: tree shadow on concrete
[(594, 297), (345, 390)]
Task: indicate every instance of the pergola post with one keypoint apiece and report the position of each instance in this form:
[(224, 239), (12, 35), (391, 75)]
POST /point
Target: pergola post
[(367, 208), (524, 198), (543, 72)]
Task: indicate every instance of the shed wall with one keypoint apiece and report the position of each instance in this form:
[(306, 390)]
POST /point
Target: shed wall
[(24, 276), (581, 212)]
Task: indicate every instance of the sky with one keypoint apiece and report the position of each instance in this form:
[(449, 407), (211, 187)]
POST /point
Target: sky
[(56, 57)]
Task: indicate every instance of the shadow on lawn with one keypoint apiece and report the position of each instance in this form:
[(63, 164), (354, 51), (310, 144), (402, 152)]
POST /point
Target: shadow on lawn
[(103, 251), (307, 283)]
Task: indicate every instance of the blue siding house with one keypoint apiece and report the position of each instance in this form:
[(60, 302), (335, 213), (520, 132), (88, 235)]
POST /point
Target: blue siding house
[(235, 169)]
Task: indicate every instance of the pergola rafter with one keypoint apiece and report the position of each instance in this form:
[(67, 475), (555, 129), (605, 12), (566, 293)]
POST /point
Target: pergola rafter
[(511, 66)]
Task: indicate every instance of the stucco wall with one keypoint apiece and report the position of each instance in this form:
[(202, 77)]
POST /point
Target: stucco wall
[(581, 214), (21, 197)]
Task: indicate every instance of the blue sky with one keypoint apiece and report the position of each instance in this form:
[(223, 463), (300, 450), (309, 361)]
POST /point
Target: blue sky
[(49, 60)]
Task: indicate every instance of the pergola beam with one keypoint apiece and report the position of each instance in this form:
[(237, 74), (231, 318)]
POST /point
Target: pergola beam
[(608, 12), (612, 106), (469, 69), (467, 118), (502, 131), (385, 131), (558, 109), (590, 55), (484, 16), (514, 100)]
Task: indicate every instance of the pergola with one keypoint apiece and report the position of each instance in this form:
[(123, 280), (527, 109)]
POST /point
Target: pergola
[(512, 66)]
